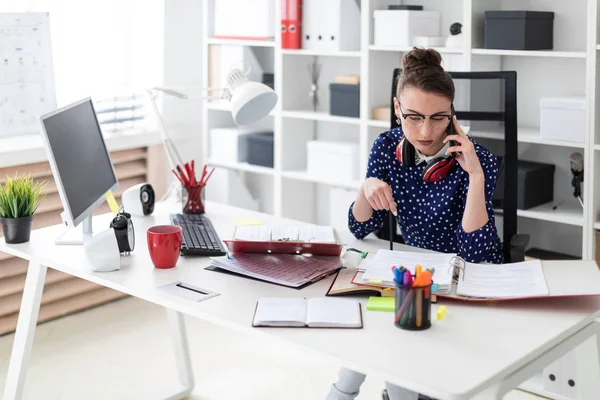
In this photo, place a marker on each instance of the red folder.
(294, 12)
(320, 249)
(284, 24)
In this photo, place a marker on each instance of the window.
(111, 50)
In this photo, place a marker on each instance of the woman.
(452, 215)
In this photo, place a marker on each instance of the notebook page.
(281, 312)
(284, 269)
(252, 233)
(442, 262)
(315, 233)
(523, 279)
(331, 312)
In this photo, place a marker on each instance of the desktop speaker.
(138, 200)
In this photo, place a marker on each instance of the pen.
(207, 177)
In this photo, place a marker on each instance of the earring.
(398, 121)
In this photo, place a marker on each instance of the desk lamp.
(250, 102)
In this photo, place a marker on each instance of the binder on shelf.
(332, 25)
(294, 12)
(284, 24)
(486, 282)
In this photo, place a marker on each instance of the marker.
(374, 281)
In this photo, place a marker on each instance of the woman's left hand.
(464, 150)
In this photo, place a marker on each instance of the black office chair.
(506, 190)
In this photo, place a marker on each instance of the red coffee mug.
(164, 245)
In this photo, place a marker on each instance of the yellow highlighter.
(112, 202)
(441, 312)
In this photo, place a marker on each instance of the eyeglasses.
(417, 120)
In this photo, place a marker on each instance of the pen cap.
(413, 306)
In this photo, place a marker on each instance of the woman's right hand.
(379, 195)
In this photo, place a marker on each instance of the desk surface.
(473, 347)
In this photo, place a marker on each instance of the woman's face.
(427, 139)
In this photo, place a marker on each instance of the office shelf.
(242, 167)
(530, 53)
(525, 135)
(320, 53)
(251, 43)
(319, 116)
(564, 214)
(306, 177)
(442, 50)
(379, 123)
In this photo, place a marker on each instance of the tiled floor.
(123, 351)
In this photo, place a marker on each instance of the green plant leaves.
(20, 196)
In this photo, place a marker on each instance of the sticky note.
(441, 312)
(247, 222)
(112, 202)
(381, 303)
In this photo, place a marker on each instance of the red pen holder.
(192, 199)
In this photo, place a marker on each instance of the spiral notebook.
(459, 279)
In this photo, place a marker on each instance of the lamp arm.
(172, 154)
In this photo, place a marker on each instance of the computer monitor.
(80, 163)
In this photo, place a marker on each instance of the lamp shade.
(250, 101)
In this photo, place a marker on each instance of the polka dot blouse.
(430, 214)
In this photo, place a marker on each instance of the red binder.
(320, 249)
(284, 24)
(294, 12)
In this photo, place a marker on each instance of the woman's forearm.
(362, 210)
(476, 215)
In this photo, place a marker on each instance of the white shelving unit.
(567, 70)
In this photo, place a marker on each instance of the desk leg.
(28, 315)
(182, 354)
(589, 380)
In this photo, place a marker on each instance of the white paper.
(331, 312)
(380, 267)
(281, 312)
(252, 233)
(522, 279)
(315, 233)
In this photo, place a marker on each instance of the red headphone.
(436, 169)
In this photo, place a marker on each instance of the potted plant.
(19, 199)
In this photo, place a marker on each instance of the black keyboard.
(199, 236)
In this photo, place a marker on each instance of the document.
(308, 233)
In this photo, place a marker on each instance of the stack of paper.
(378, 270)
(297, 233)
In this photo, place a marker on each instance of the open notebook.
(312, 313)
(459, 279)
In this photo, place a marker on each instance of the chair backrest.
(506, 192)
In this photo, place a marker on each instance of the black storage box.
(344, 100)
(519, 30)
(535, 185)
(405, 7)
(260, 149)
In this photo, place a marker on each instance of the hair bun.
(420, 58)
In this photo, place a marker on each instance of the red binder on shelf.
(294, 27)
(284, 24)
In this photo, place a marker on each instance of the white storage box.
(563, 118)
(229, 145)
(243, 19)
(399, 27)
(335, 160)
(339, 204)
(330, 25)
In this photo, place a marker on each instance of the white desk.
(477, 351)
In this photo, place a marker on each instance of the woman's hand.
(379, 195)
(465, 151)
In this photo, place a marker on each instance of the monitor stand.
(77, 235)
